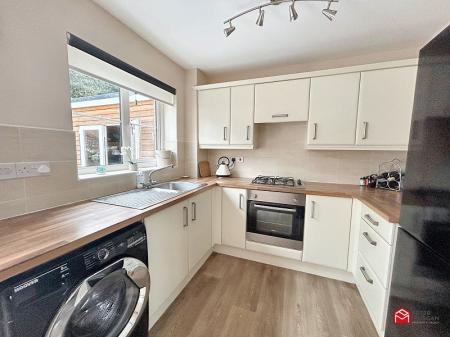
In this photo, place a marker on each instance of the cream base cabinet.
(284, 101)
(168, 252)
(327, 231)
(199, 227)
(333, 109)
(214, 117)
(234, 215)
(385, 106)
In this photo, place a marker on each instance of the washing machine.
(99, 290)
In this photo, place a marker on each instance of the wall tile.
(12, 208)
(47, 145)
(12, 190)
(10, 145)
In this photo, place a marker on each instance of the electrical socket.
(239, 160)
(32, 169)
(7, 171)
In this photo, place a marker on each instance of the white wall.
(35, 115)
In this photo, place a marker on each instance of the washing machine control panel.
(99, 255)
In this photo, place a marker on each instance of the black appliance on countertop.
(99, 290)
(419, 303)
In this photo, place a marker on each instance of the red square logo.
(402, 316)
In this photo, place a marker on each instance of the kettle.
(223, 167)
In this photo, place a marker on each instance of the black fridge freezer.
(419, 303)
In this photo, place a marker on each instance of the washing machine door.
(107, 304)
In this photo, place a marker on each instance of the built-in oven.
(276, 218)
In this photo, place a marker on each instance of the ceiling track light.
(293, 14)
(329, 13)
(260, 21)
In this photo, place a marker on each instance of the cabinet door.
(242, 107)
(167, 250)
(214, 116)
(385, 106)
(234, 215)
(333, 109)
(285, 101)
(199, 227)
(327, 231)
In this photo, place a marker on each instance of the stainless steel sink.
(182, 186)
(143, 198)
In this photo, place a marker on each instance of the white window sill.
(87, 176)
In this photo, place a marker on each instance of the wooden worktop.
(30, 240)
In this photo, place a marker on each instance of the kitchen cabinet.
(214, 116)
(385, 106)
(242, 107)
(333, 109)
(327, 231)
(284, 101)
(178, 238)
(234, 215)
(199, 228)
(168, 252)
(225, 117)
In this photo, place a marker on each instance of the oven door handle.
(271, 208)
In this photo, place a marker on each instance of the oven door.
(278, 220)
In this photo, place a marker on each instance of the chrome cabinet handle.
(372, 221)
(194, 211)
(366, 276)
(271, 208)
(313, 208)
(185, 217)
(367, 236)
(240, 201)
(315, 131)
(280, 115)
(365, 125)
(224, 133)
(248, 132)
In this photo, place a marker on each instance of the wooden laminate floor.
(231, 297)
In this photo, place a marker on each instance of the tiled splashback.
(19, 196)
(280, 150)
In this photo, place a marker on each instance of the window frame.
(126, 134)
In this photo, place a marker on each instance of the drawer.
(379, 224)
(375, 251)
(372, 292)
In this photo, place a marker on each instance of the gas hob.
(276, 181)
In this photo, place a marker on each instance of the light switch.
(7, 171)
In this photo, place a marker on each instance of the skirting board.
(158, 313)
(286, 263)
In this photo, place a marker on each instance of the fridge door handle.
(366, 276)
(372, 221)
(367, 236)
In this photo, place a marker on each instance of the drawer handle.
(366, 276)
(372, 221)
(280, 115)
(367, 236)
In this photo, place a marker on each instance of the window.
(106, 117)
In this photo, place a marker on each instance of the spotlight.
(229, 30)
(292, 12)
(329, 13)
(260, 21)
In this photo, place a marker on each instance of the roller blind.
(90, 59)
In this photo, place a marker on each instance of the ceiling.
(191, 32)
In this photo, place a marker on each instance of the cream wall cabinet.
(284, 101)
(333, 109)
(327, 231)
(225, 117)
(385, 106)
